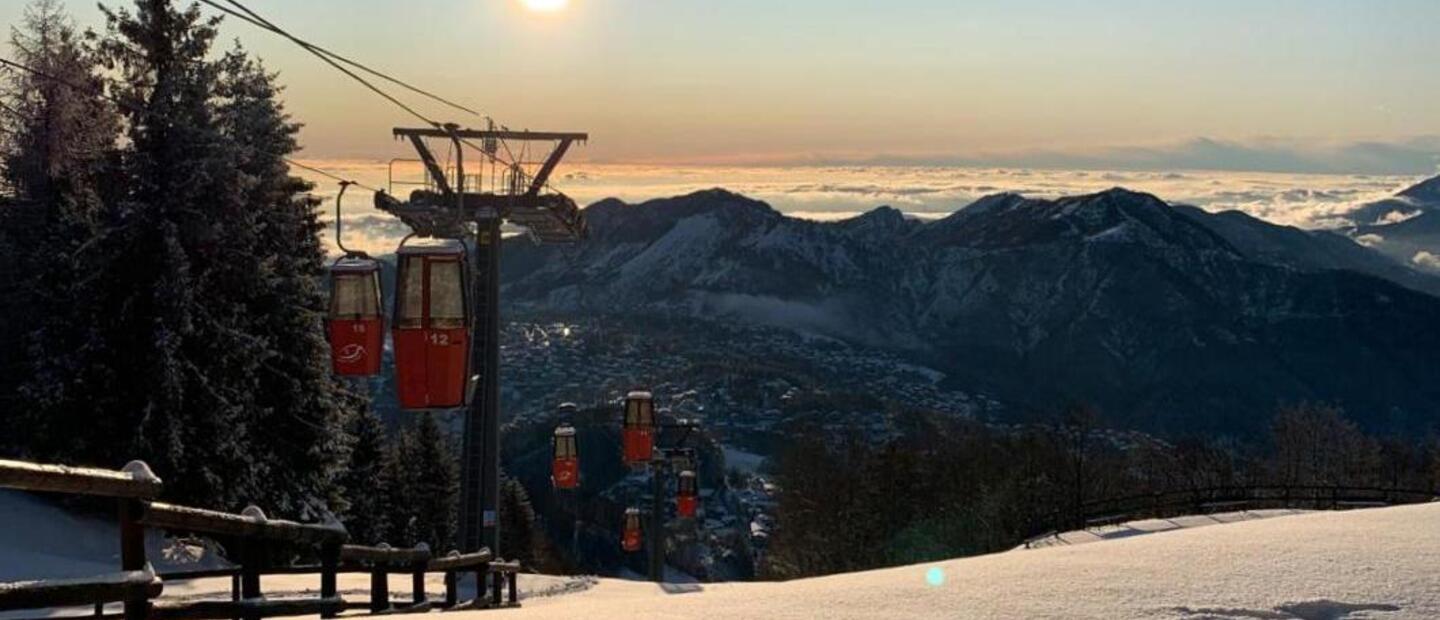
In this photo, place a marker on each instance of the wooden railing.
(252, 537)
(1099, 513)
(135, 582)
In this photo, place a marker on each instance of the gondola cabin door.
(354, 324)
(565, 469)
(631, 539)
(639, 428)
(686, 495)
(431, 327)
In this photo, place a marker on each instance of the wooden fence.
(1099, 513)
(253, 540)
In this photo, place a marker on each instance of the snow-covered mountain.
(1167, 318)
(1406, 227)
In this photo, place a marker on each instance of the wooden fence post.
(452, 589)
(497, 578)
(481, 572)
(417, 576)
(379, 587)
(132, 553)
(252, 557)
(329, 568)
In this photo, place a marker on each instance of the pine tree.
(197, 343)
(57, 146)
(435, 483)
(362, 482)
(419, 483)
(300, 405)
(169, 373)
(522, 535)
(397, 492)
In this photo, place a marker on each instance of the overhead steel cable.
(259, 22)
(333, 63)
(248, 15)
(136, 109)
(331, 176)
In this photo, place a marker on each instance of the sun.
(545, 6)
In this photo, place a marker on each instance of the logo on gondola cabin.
(351, 353)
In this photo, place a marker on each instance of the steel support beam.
(500, 134)
(655, 532)
(538, 183)
(437, 174)
(480, 453)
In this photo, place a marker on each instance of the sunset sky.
(1292, 85)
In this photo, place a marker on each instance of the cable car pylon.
(446, 208)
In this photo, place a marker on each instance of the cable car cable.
(261, 23)
(306, 46)
(5, 62)
(331, 176)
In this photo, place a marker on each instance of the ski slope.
(1380, 563)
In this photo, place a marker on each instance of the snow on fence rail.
(1102, 512)
(135, 481)
(255, 539)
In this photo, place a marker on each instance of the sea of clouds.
(828, 193)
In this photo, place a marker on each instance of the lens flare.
(935, 577)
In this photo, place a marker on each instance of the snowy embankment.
(1379, 563)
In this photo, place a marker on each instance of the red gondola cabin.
(354, 326)
(687, 496)
(565, 469)
(630, 541)
(431, 327)
(639, 431)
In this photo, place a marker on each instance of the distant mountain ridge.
(1405, 227)
(1169, 318)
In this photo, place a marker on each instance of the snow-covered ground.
(1155, 526)
(1380, 563)
(41, 540)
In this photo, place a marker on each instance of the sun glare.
(545, 6)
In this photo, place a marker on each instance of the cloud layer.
(1304, 200)
(1415, 156)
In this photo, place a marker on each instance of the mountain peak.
(1116, 215)
(615, 220)
(884, 215)
(713, 199)
(1426, 192)
(881, 221)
